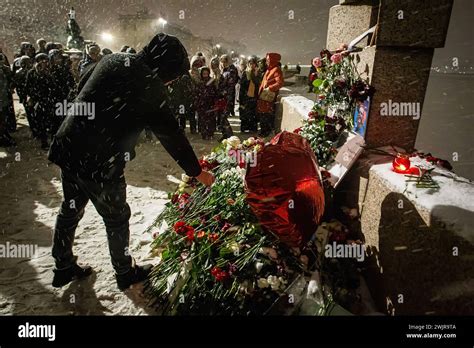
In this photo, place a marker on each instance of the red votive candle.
(401, 164)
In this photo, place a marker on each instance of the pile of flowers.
(338, 88)
(323, 133)
(215, 258)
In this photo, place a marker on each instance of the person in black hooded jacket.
(63, 86)
(127, 93)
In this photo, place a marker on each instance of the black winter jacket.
(126, 95)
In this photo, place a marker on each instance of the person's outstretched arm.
(164, 125)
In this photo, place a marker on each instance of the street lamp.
(107, 37)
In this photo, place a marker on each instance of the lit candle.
(401, 164)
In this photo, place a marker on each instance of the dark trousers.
(109, 199)
(223, 125)
(11, 117)
(41, 120)
(191, 116)
(4, 133)
(248, 115)
(30, 117)
(267, 123)
(231, 103)
(188, 115)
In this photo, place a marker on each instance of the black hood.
(166, 56)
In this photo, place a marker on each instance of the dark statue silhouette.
(74, 40)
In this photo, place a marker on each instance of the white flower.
(235, 247)
(258, 266)
(211, 157)
(233, 141)
(227, 173)
(262, 283)
(274, 282)
(313, 287)
(241, 171)
(185, 178)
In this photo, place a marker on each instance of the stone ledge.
(409, 236)
(428, 202)
(291, 110)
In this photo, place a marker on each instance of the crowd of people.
(207, 97)
(42, 77)
(47, 74)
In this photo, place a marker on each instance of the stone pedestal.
(400, 77)
(412, 268)
(419, 243)
(399, 62)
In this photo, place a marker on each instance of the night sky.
(262, 25)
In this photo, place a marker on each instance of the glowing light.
(107, 37)
(401, 164)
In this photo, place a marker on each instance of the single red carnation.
(180, 227)
(190, 234)
(215, 271)
(219, 274)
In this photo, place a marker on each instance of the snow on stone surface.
(447, 204)
(295, 109)
(298, 104)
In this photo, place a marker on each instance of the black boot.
(136, 274)
(65, 276)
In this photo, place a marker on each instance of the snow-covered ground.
(30, 196)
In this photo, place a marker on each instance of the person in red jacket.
(268, 92)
